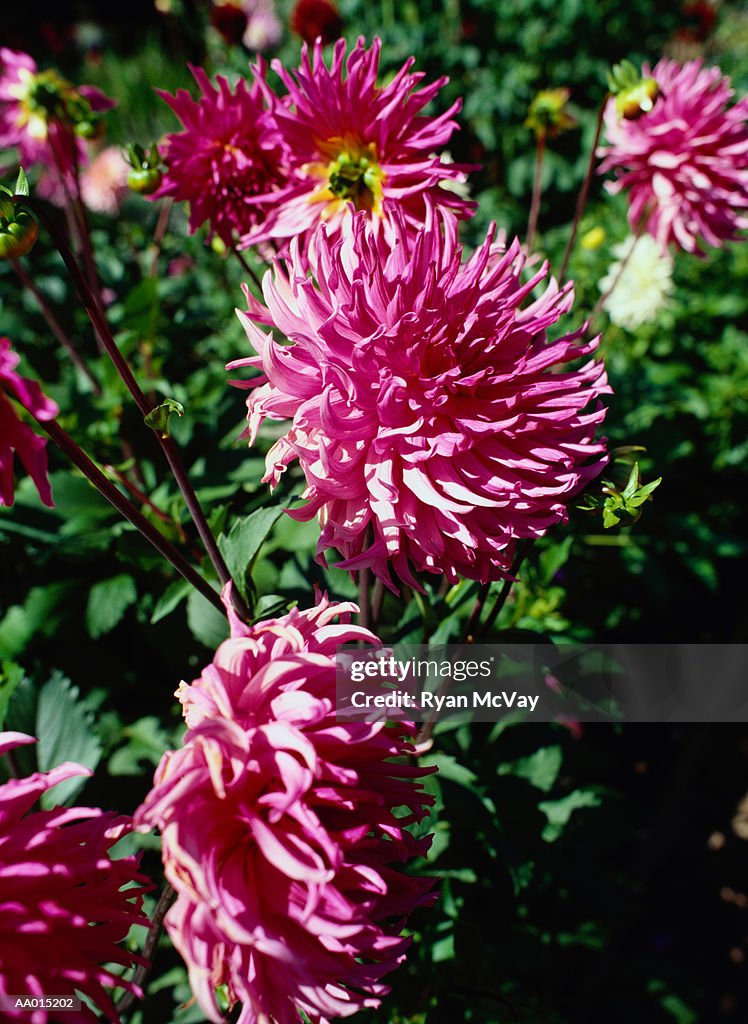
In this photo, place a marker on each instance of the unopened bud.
(18, 229)
(147, 169)
(548, 115)
(635, 95)
(639, 100)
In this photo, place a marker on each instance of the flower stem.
(537, 189)
(168, 447)
(158, 235)
(248, 269)
(92, 473)
(165, 900)
(522, 551)
(584, 191)
(55, 327)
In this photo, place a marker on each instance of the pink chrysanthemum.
(685, 162)
(63, 908)
(430, 415)
(38, 113)
(279, 828)
(352, 143)
(228, 153)
(15, 435)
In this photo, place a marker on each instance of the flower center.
(357, 178)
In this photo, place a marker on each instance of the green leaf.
(610, 518)
(15, 632)
(11, 676)
(158, 418)
(107, 603)
(206, 623)
(146, 741)
(22, 183)
(540, 769)
(559, 812)
(643, 493)
(242, 543)
(173, 596)
(64, 728)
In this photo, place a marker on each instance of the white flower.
(639, 282)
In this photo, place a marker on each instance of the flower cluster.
(265, 168)
(64, 907)
(684, 162)
(429, 412)
(15, 435)
(279, 828)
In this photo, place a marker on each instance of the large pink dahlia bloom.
(685, 162)
(228, 153)
(279, 828)
(15, 435)
(431, 416)
(63, 905)
(354, 144)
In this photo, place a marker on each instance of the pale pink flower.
(279, 829)
(685, 162)
(104, 183)
(353, 144)
(15, 435)
(227, 155)
(63, 906)
(431, 416)
(263, 29)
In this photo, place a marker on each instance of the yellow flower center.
(353, 175)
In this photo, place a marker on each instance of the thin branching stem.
(537, 191)
(115, 497)
(165, 900)
(96, 315)
(584, 191)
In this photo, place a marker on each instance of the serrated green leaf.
(242, 543)
(206, 623)
(64, 729)
(107, 603)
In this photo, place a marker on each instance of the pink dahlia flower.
(685, 162)
(15, 435)
(430, 414)
(279, 828)
(38, 113)
(63, 908)
(228, 153)
(354, 144)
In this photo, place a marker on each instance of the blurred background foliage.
(588, 876)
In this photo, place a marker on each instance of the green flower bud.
(18, 233)
(145, 180)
